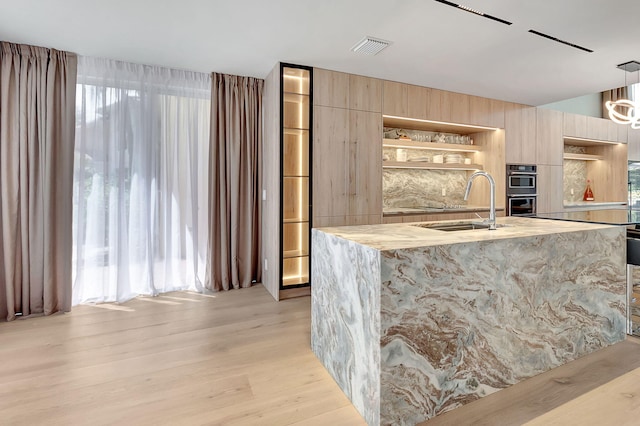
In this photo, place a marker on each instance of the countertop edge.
(399, 236)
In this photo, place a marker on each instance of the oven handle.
(522, 196)
(523, 173)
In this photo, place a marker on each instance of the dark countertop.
(594, 205)
(623, 217)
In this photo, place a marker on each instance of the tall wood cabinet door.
(520, 134)
(550, 189)
(365, 163)
(633, 145)
(395, 99)
(550, 143)
(365, 93)
(330, 88)
(330, 161)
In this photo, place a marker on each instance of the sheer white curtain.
(140, 180)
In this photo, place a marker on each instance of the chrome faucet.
(492, 196)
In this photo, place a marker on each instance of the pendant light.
(625, 111)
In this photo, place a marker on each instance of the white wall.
(590, 105)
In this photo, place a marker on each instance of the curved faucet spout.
(492, 195)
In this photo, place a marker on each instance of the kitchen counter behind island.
(412, 322)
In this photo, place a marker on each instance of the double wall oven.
(522, 192)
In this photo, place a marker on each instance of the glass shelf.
(295, 271)
(431, 146)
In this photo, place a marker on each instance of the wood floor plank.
(531, 398)
(240, 358)
(614, 403)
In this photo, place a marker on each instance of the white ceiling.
(434, 45)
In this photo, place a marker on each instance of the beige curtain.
(613, 95)
(37, 127)
(235, 157)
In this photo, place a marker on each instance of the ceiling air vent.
(370, 46)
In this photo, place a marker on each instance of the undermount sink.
(460, 226)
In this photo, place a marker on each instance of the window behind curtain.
(140, 180)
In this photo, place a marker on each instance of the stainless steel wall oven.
(522, 195)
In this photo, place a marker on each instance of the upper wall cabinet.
(486, 112)
(520, 134)
(418, 102)
(341, 90)
(405, 100)
(330, 88)
(365, 93)
(600, 129)
(395, 99)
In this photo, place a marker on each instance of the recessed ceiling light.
(370, 46)
(474, 11)
(538, 33)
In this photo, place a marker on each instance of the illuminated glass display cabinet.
(295, 160)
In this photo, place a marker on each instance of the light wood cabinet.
(365, 93)
(550, 189)
(606, 160)
(598, 128)
(520, 128)
(459, 108)
(633, 144)
(286, 182)
(271, 226)
(439, 105)
(595, 128)
(575, 125)
(395, 99)
(330, 162)
(486, 112)
(549, 142)
(609, 175)
(330, 88)
(419, 103)
(405, 100)
(347, 167)
(606, 167)
(365, 164)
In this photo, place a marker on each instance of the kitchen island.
(412, 321)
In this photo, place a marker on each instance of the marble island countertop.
(391, 211)
(395, 236)
(414, 322)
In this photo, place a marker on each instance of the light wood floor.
(240, 358)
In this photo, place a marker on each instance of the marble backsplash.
(575, 175)
(421, 188)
